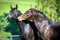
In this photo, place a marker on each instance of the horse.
(26, 32)
(48, 30)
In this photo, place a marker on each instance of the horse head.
(14, 12)
(32, 14)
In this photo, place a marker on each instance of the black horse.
(26, 32)
(48, 30)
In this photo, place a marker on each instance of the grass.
(5, 7)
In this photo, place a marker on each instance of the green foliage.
(3, 24)
(48, 7)
(3, 33)
(7, 26)
(12, 27)
(58, 9)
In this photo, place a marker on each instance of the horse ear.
(16, 6)
(31, 12)
(10, 6)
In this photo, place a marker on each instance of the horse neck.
(41, 22)
(17, 22)
(38, 18)
(41, 19)
(20, 25)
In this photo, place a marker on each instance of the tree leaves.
(49, 8)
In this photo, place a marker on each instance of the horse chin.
(20, 19)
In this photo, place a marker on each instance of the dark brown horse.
(26, 32)
(48, 30)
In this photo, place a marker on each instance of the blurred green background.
(51, 8)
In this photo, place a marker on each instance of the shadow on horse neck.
(47, 29)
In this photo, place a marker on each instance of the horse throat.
(42, 25)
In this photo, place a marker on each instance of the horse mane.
(37, 11)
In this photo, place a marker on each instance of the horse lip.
(19, 19)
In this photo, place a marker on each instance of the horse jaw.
(20, 18)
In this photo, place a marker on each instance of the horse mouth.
(20, 19)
